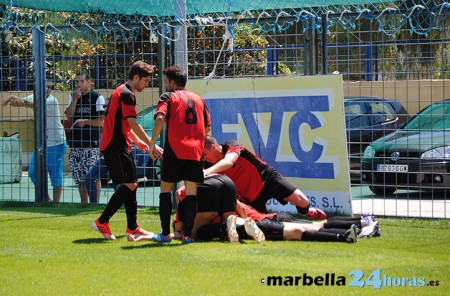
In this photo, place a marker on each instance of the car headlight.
(437, 153)
(369, 152)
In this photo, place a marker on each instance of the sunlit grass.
(52, 250)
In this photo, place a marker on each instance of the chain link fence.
(399, 51)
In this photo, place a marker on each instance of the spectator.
(87, 112)
(56, 139)
(187, 120)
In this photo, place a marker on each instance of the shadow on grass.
(88, 241)
(152, 245)
(64, 209)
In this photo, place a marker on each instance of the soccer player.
(216, 201)
(120, 126)
(255, 180)
(187, 120)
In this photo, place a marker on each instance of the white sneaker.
(233, 236)
(138, 234)
(350, 235)
(369, 230)
(253, 230)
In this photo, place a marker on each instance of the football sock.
(165, 211)
(189, 211)
(320, 236)
(340, 233)
(130, 204)
(114, 204)
(344, 224)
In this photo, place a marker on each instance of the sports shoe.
(369, 230)
(350, 235)
(368, 219)
(232, 235)
(187, 240)
(138, 234)
(160, 238)
(317, 214)
(253, 230)
(103, 228)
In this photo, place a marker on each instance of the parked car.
(367, 119)
(416, 156)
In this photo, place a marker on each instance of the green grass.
(52, 250)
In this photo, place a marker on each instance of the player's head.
(175, 77)
(139, 75)
(141, 69)
(213, 151)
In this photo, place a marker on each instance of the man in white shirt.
(56, 139)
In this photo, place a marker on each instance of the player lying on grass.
(211, 224)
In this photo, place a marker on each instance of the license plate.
(392, 168)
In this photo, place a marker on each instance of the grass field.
(52, 250)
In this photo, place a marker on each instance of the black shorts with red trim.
(121, 166)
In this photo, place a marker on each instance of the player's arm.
(240, 210)
(157, 129)
(141, 144)
(222, 165)
(137, 130)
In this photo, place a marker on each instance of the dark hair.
(141, 69)
(209, 141)
(86, 75)
(177, 74)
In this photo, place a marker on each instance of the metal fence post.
(40, 148)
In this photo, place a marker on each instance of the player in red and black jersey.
(120, 125)
(187, 120)
(255, 180)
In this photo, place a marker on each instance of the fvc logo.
(264, 120)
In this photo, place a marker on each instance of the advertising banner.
(295, 124)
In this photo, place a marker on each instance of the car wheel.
(153, 173)
(381, 190)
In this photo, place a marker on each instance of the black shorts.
(275, 186)
(174, 170)
(286, 217)
(216, 194)
(121, 166)
(272, 229)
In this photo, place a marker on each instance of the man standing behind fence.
(56, 138)
(86, 110)
(187, 120)
(120, 126)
